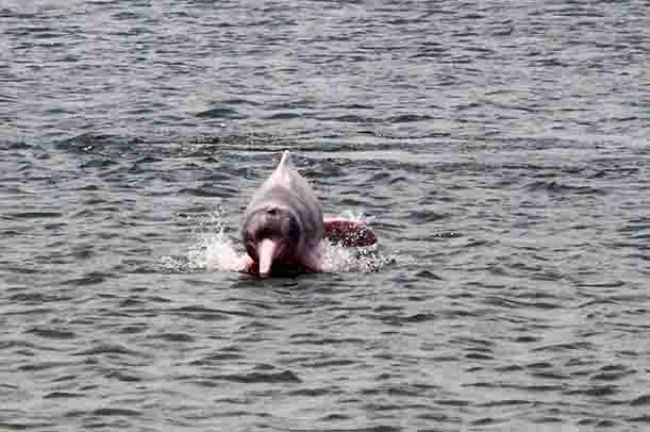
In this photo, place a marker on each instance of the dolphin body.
(283, 223)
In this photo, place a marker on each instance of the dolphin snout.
(266, 252)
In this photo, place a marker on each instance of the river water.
(499, 150)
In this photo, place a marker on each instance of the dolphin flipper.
(348, 233)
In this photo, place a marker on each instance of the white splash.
(337, 258)
(215, 250)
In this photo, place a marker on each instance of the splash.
(215, 250)
(337, 258)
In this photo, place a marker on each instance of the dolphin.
(283, 223)
(283, 226)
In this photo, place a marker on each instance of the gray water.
(499, 150)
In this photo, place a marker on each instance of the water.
(500, 151)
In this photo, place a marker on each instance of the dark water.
(500, 150)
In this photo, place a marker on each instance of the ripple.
(260, 377)
(62, 395)
(173, 337)
(33, 215)
(123, 377)
(560, 188)
(91, 278)
(507, 291)
(104, 348)
(103, 412)
(43, 366)
(49, 333)
(221, 112)
(641, 400)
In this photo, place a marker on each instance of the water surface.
(499, 150)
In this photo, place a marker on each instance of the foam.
(215, 250)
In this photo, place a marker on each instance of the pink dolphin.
(284, 225)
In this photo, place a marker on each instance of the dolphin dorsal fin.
(283, 173)
(286, 160)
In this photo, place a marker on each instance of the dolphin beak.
(266, 252)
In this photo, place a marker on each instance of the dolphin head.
(271, 234)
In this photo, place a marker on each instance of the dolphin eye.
(272, 211)
(294, 229)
